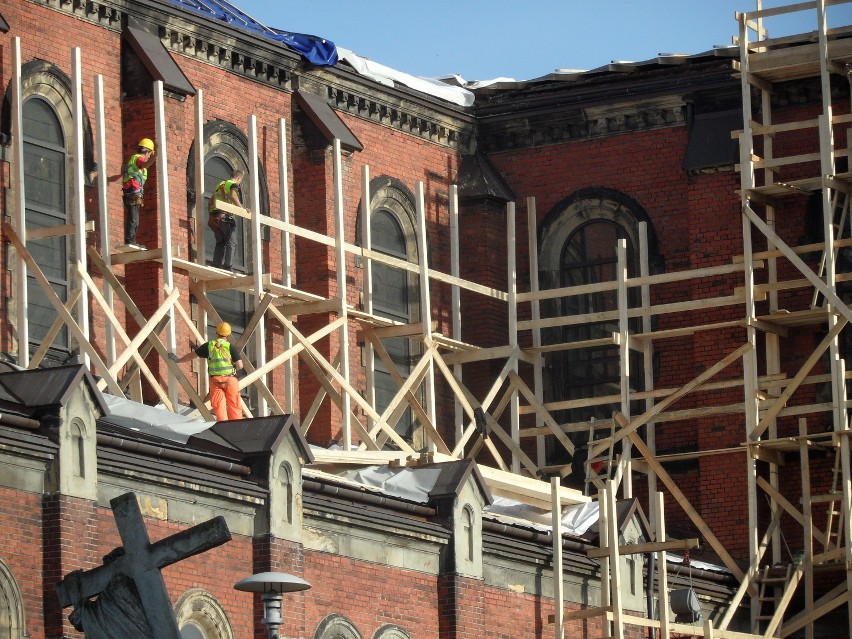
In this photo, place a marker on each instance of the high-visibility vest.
(222, 192)
(219, 358)
(132, 170)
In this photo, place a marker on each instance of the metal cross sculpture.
(132, 600)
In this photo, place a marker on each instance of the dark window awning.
(327, 121)
(157, 61)
(4, 26)
(710, 144)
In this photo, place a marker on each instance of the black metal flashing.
(260, 435)
(327, 121)
(710, 144)
(157, 61)
(478, 179)
(452, 478)
(41, 388)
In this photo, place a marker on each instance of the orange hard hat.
(224, 329)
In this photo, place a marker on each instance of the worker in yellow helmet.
(223, 362)
(133, 188)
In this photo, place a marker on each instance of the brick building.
(456, 304)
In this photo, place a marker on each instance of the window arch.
(12, 624)
(48, 145)
(336, 627)
(395, 291)
(200, 616)
(390, 631)
(578, 244)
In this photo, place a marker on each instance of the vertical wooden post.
(606, 564)
(512, 288)
(103, 206)
(455, 271)
(807, 522)
(648, 361)
(286, 257)
(200, 225)
(425, 302)
(79, 201)
(20, 214)
(747, 182)
(623, 473)
(257, 258)
(340, 259)
(538, 365)
(558, 587)
(615, 564)
(367, 245)
(165, 221)
(662, 571)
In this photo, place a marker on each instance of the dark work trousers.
(226, 242)
(132, 203)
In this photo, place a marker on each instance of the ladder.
(599, 468)
(772, 586)
(844, 210)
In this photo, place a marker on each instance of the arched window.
(578, 246)
(45, 187)
(336, 627)
(394, 290)
(12, 624)
(200, 616)
(389, 631)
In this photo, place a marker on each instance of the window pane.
(45, 192)
(191, 631)
(40, 123)
(391, 300)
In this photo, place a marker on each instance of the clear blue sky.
(486, 39)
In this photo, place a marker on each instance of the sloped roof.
(41, 388)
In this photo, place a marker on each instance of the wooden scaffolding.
(501, 426)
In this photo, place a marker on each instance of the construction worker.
(223, 362)
(223, 224)
(133, 188)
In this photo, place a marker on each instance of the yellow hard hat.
(224, 329)
(145, 143)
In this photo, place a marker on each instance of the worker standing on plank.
(223, 362)
(223, 224)
(133, 188)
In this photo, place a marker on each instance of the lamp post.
(272, 585)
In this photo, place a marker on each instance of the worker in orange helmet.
(223, 362)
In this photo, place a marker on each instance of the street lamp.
(272, 585)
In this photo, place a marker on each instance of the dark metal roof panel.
(45, 387)
(327, 120)
(157, 61)
(478, 179)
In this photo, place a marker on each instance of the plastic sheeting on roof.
(314, 49)
(152, 420)
(390, 77)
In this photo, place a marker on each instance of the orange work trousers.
(225, 397)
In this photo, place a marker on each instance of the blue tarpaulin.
(315, 50)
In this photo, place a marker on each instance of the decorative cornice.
(566, 125)
(395, 116)
(101, 13)
(247, 57)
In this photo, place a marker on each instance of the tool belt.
(217, 218)
(133, 198)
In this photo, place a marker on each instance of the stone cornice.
(567, 125)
